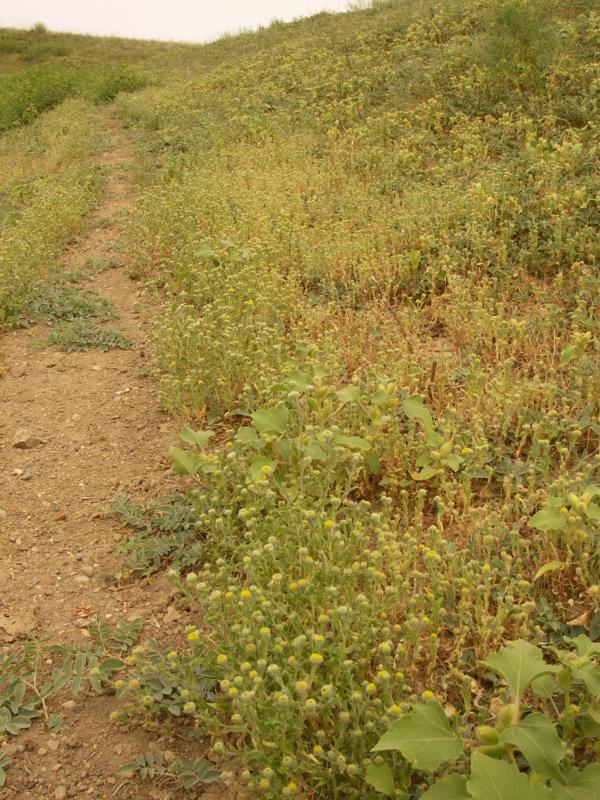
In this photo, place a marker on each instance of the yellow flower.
(221, 658)
(328, 523)
(427, 695)
(193, 635)
(316, 658)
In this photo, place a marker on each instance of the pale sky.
(183, 20)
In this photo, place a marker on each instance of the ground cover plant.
(371, 240)
(379, 277)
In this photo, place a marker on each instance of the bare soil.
(96, 416)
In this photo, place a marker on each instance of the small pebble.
(60, 793)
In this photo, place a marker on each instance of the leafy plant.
(83, 334)
(5, 762)
(59, 301)
(30, 679)
(165, 530)
(524, 754)
(156, 765)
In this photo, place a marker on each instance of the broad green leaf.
(380, 777)
(349, 394)
(315, 451)
(594, 714)
(551, 566)
(593, 512)
(195, 438)
(433, 438)
(492, 779)
(544, 686)
(270, 420)
(584, 785)
(595, 627)
(248, 435)
(415, 408)
(184, 462)
(453, 461)
(452, 787)
(352, 442)
(258, 468)
(519, 663)
(424, 737)
(537, 739)
(548, 519)
(283, 449)
(589, 674)
(300, 380)
(568, 353)
(425, 474)
(585, 646)
(5, 761)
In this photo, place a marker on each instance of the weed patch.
(61, 301)
(165, 531)
(84, 334)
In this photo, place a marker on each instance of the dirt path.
(102, 435)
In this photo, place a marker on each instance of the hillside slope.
(371, 241)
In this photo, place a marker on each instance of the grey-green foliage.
(156, 765)
(30, 678)
(59, 301)
(84, 334)
(165, 529)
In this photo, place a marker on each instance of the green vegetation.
(373, 243)
(33, 678)
(60, 301)
(47, 184)
(80, 333)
